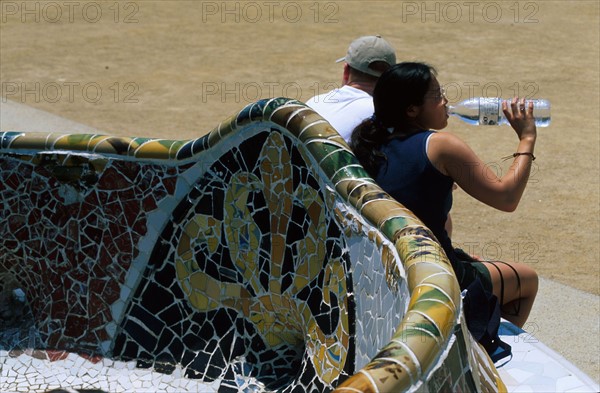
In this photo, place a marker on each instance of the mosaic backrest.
(260, 257)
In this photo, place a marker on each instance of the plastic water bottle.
(488, 111)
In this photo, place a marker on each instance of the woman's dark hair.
(401, 86)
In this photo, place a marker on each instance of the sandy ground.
(175, 69)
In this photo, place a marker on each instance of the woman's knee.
(525, 279)
(515, 280)
(529, 278)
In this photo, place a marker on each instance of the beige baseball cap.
(367, 49)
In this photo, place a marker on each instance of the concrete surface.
(19, 117)
(565, 319)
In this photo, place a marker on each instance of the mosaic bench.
(260, 257)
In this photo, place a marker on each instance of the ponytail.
(366, 141)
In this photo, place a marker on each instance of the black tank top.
(410, 178)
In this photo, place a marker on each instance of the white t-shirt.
(343, 108)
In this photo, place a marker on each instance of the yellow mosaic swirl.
(278, 315)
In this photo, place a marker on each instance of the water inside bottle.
(542, 121)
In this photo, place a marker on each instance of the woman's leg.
(515, 285)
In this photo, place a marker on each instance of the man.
(346, 107)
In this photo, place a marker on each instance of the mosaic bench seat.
(259, 257)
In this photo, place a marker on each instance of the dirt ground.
(175, 69)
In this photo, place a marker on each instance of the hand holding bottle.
(520, 117)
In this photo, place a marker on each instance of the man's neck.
(364, 86)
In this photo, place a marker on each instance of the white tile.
(541, 384)
(569, 384)
(520, 375)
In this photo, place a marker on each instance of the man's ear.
(346, 76)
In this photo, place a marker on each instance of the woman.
(419, 167)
